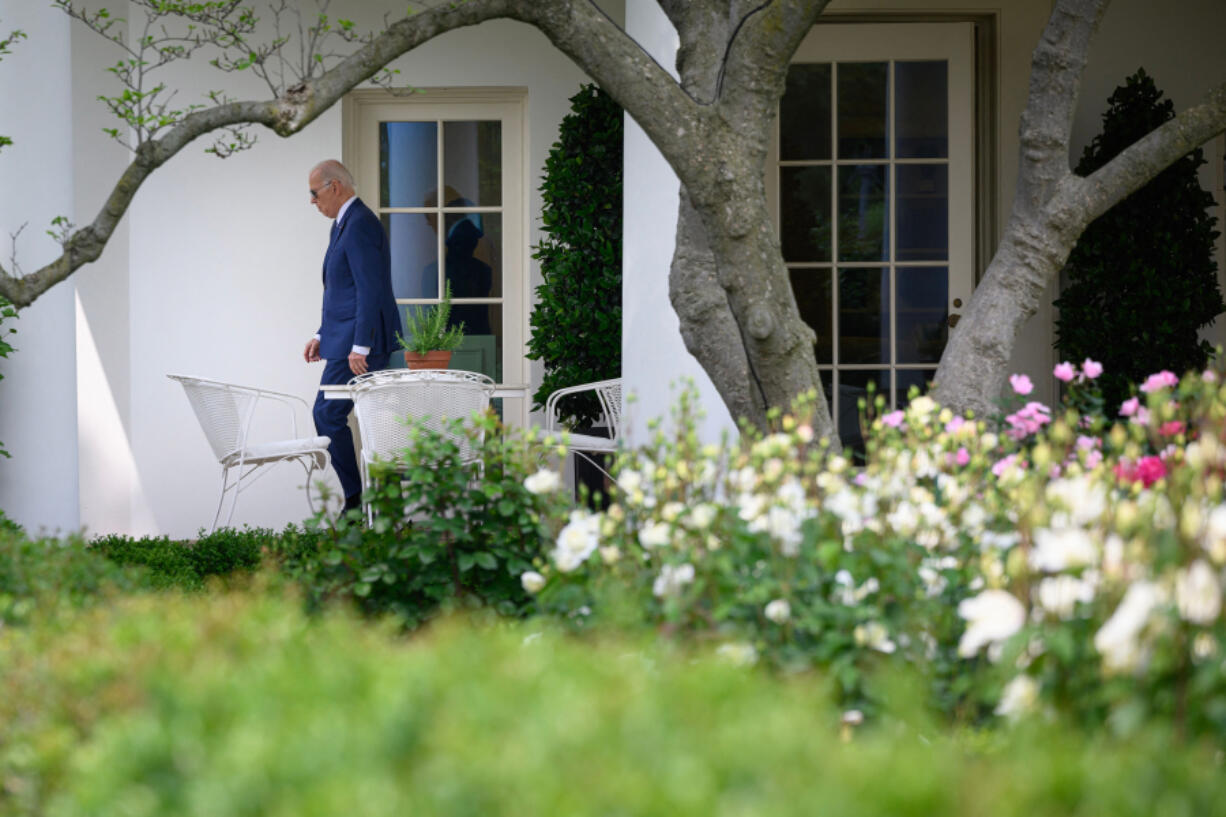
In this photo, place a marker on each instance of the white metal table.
(345, 392)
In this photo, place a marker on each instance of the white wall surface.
(655, 361)
(216, 273)
(38, 486)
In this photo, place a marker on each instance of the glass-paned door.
(870, 182)
(445, 176)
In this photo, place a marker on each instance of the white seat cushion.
(282, 449)
(586, 442)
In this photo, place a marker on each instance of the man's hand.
(357, 363)
(311, 353)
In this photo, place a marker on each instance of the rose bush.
(1067, 560)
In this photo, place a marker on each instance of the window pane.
(414, 249)
(862, 101)
(853, 386)
(482, 347)
(827, 376)
(816, 304)
(923, 212)
(863, 222)
(408, 162)
(472, 164)
(864, 308)
(906, 378)
(922, 328)
(921, 105)
(804, 113)
(474, 254)
(805, 203)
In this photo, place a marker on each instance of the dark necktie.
(336, 228)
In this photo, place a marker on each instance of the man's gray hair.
(331, 170)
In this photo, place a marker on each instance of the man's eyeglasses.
(315, 193)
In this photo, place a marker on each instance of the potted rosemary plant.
(431, 341)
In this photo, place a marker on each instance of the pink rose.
(1021, 383)
(1162, 380)
(893, 419)
(1064, 372)
(1171, 428)
(1147, 470)
(1129, 407)
(962, 457)
(1091, 369)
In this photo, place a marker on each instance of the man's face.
(326, 196)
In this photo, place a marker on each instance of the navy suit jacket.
(359, 307)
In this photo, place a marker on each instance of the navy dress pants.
(332, 420)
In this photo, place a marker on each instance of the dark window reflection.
(921, 100)
(922, 210)
(815, 301)
(864, 309)
(805, 213)
(863, 213)
(853, 387)
(804, 113)
(908, 378)
(862, 109)
(923, 311)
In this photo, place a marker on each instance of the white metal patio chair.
(226, 413)
(609, 393)
(385, 401)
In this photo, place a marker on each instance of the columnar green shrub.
(576, 325)
(1142, 278)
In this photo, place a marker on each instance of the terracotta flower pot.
(436, 359)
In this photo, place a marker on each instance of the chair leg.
(225, 480)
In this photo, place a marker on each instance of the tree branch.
(598, 46)
(1055, 82)
(1141, 161)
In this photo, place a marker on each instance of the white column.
(38, 408)
(654, 356)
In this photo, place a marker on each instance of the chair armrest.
(551, 403)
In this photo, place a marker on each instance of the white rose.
(778, 611)
(532, 581)
(1018, 697)
(672, 579)
(875, 636)
(1198, 594)
(576, 541)
(991, 618)
(543, 481)
(1061, 549)
(1116, 640)
(656, 534)
(1059, 595)
(741, 655)
(702, 516)
(1215, 534)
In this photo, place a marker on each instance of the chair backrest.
(223, 409)
(430, 397)
(610, 394)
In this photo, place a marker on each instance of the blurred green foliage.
(239, 704)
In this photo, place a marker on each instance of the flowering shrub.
(1071, 561)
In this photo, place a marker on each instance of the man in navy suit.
(360, 316)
